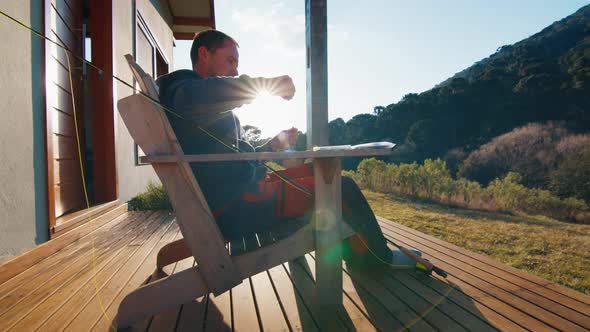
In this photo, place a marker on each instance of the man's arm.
(219, 94)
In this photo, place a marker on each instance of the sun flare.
(263, 93)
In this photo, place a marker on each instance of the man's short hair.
(211, 39)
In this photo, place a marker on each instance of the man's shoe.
(400, 260)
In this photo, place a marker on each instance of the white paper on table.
(373, 145)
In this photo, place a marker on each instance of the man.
(242, 197)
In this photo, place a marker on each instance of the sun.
(269, 113)
(263, 93)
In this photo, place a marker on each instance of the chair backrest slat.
(148, 125)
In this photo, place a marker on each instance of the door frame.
(103, 122)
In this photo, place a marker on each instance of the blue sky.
(378, 51)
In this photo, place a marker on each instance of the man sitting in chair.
(243, 198)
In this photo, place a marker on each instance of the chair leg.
(170, 292)
(172, 253)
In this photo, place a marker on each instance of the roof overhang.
(191, 16)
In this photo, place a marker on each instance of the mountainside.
(545, 77)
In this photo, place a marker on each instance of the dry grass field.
(552, 249)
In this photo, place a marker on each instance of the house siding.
(133, 179)
(23, 197)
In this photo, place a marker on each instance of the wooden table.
(327, 217)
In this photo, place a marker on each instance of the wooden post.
(316, 39)
(328, 204)
(327, 222)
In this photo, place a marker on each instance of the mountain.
(545, 77)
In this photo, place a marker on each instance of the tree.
(337, 129)
(378, 109)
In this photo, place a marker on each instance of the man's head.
(214, 54)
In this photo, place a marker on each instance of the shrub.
(432, 180)
(155, 198)
(529, 150)
(507, 192)
(572, 176)
(454, 158)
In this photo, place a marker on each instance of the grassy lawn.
(546, 247)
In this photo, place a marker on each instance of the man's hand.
(282, 86)
(286, 138)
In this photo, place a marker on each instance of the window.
(150, 57)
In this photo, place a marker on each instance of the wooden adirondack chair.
(217, 271)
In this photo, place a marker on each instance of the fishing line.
(96, 292)
(236, 149)
(154, 101)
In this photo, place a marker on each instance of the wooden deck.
(79, 288)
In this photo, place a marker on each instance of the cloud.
(280, 33)
(336, 32)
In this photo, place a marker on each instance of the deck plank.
(244, 310)
(521, 297)
(42, 290)
(297, 313)
(219, 317)
(245, 318)
(21, 263)
(513, 286)
(480, 317)
(485, 295)
(130, 276)
(86, 295)
(192, 316)
(429, 312)
(300, 272)
(84, 284)
(379, 316)
(269, 306)
(509, 305)
(559, 303)
(351, 315)
(467, 319)
(552, 290)
(372, 303)
(166, 321)
(68, 255)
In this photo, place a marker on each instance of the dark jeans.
(260, 209)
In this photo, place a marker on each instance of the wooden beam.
(264, 156)
(105, 171)
(212, 12)
(328, 200)
(48, 96)
(328, 227)
(316, 40)
(184, 35)
(194, 21)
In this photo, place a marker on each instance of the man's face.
(223, 61)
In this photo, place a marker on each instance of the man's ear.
(203, 53)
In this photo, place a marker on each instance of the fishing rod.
(421, 263)
(156, 102)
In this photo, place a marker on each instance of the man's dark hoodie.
(207, 103)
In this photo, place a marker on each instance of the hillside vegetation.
(433, 181)
(542, 78)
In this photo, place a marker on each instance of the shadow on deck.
(79, 288)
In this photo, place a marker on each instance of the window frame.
(140, 26)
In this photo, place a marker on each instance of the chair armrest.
(264, 156)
